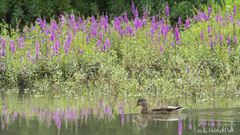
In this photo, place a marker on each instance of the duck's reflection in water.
(142, 120)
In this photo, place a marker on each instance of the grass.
(141, 57)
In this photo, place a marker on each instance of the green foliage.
(22, 12)
(132, 65)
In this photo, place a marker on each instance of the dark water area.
(40, 117)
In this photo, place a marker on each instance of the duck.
(163, 110)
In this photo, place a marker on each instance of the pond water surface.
(55, 116)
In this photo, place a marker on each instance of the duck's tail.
(179, 108)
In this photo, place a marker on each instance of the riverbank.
(196, 59)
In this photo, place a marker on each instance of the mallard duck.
(162, 110)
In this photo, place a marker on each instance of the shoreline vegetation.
(196, 59)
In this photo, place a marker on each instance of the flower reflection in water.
(71, 117)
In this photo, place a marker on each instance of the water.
(50, 116)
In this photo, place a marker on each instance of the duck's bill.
(136, 106)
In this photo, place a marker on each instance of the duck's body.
(162, 110)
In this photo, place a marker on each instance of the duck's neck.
(144, 108)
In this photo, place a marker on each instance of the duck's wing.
(168, 108)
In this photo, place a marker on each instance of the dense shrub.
(22, 12)
(198, 58)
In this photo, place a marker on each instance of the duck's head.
(142, 102)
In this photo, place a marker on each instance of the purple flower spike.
(66, 49)
(234, 10)
(2, 52)
(229, 40)
(235, 40)
(133, 7)
(212, 123)
(108, 42)
(39, 114)
(187, 23)
(204, 123)
(81, 51)
(3, 67)
(209, 10)
(177, 34)
(211, 42)
(221, 39)
(133, 117)
(209, 30)
(202, 36)
(205, 16)
(37, 49)
(104, 47)
(12, 46)
(180, 127)
(179, 21)
(217, 17)
(161, 49)
(190, 126)
(122, 118)
(199, 16)
(173, 44)
(57, 120)
(167, 11)
(87, 39)
(229, 50)
(153, 19)
(188, 69)
(22, 41)
(19, 43)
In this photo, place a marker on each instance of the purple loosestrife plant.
(87, 39)
(234, 10)
(190, 126)
(177, 34)
(173, 44)
(3, 67)
(29, 54)
(72, 19)
(187, 23)
(180, 127)
(211, 43)
(235, 40)
(229, 40)
(22, 42)
(65, 47)
(108, 42)
(57, 120)
(188, 69)
(104, 47)
(167, 11)
(221, 39)
(133, 8)
(2, 53)
(209, 31)
(217, 17)
(205, 16)
(161, 49)
(37, 49)
(12, 46)
(179, 21)
(209, 11)
(199, 16)
(202, 36)
(212, 123)
(19, 43)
